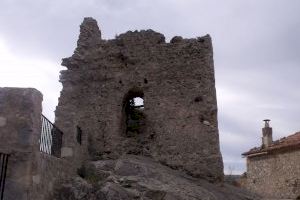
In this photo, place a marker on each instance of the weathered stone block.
(66, 152)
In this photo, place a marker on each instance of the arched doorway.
(134, 113)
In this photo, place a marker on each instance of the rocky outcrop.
(136, 177)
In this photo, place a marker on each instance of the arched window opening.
(135, 118)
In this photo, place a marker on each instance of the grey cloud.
(256, 51)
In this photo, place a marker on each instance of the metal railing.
(51, 138)
(3, 169)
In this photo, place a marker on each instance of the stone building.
(273, 170)
(177, 123)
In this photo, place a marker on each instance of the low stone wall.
(275, 176)
(31, 174)
(51, 172)
(20, 128)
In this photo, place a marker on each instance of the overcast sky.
(256, 53)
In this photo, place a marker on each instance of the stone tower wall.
(176, 81)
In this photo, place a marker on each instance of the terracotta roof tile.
(292, 141)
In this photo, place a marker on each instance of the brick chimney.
(267, 138)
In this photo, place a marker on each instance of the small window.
(79, 135)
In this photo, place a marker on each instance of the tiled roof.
(290, 142)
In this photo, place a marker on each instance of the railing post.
(3, 169)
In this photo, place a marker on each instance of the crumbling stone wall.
(275, 175)
(176, 81)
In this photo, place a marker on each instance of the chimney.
(267, 134)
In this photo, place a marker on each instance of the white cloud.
(17, 71)
(256, 46)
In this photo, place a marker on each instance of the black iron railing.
(3, 168)
(51, 138)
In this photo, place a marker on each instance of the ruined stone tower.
(177, 124)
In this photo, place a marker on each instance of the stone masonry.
(20, 128)
(31, 174)
(275, 176)
(273, 169)
(176, 82)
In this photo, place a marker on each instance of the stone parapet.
(20, 128)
